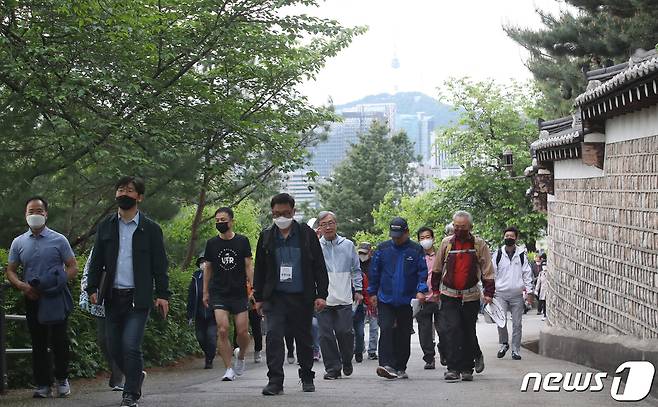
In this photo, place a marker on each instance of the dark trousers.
(541, 308)
(359, 325)
(116, 375)
(125, 330)
(205, 331)
(290, 341)
(256, 331)
(459, 340)
(288, 312)
(336, 337)
(394, 335)
(428, 322)
(44, 336)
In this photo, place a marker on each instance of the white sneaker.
(63, 388)
(543, 318)
(257, 357)
(42, 392)
(238, 366)
(229, 376)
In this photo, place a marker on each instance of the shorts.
(234, 306)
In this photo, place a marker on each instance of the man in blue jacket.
(398, 273)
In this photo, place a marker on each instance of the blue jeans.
(359, 322)
(373, 334)
(125, 327)
(315, 332)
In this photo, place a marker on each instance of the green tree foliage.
(377, 164)
(590, 34)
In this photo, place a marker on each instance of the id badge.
(285, 273)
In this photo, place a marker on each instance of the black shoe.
(129, 401)
(467, 376)
(516, 356)
(332, 375)
(372, 356)
(387, 372)
(358, 357)
(208, 364)
(272, 389)
(429, 365)
(348, 369)
(308, 386)
(451, 376)
(503, 350)
(479, 363)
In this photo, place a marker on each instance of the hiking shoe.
(272, 389)
(257, 357)
(372, 356)
(332, 375)
(402, 374)
(129, 401)
(42, 392)
(229, 376)
(503, 350)
(308, 386)
(451, 376)
(63, 388)
(429, 365)
(358, 357)
(387, 372)
(291, 358)
(479, 363)
(467, 376)
(348, 369)
(516, 356)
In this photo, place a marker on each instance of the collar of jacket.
(517, 251)
(270, 234)
(338, 240)
(142, 219)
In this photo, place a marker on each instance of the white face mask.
(427, 243)
(35, 221)
(282, 222)
(363, 257)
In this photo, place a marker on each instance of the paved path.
(189, 385)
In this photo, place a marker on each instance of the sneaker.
(372, 356)
(42, 392)
(429, 365)
(229, 376)
(402, 374)
(291, 358)
(238, 364)
(332, 375)
(387, 372)
(129, 401)
(308, 386)
(516, 356)
(272, 389)
(316, 355)
(451, 376)
(348, 369)
(257, 357)
(467, 376)
(358, 357)
(479, 363)
(63, 388)
(118, 387)
(543, 318)
(503, 350)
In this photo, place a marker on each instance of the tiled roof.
(559, 132)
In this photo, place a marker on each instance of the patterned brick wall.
(603, 252)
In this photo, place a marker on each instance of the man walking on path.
(398, 273)
(428, 316)
(44, 255)
(290, 280)
(335, 321)
(369, 311)
(227, 270)
(462, 261)
(513, 275)
(128, 257)
(203, 318)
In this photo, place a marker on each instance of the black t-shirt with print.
(229, 277)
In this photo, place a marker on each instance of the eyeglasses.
(327, 224)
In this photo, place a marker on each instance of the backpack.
(499, 255)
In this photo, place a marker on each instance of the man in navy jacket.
(398, 273)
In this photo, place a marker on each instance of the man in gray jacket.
(345, 286)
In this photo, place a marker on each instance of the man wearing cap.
(365, 312)
(462, 261)
(398, 274)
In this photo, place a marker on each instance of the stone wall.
(603, 251)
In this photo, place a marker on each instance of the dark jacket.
(195, 307)
(149, 260)
(314, 271)
(55, 301)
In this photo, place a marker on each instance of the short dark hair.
(225, 209)
(126, 180)
(37, 198)
(282, 198)
(512, 229)
(424, 229)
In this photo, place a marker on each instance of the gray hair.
(450, 229)
(463, 214)
(324, 214)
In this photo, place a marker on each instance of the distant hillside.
(410, 103)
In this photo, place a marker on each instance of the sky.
(433, 40)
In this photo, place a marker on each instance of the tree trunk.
(194, 228)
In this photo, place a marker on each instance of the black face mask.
(126, 202)
(222, 227)
(510, 242)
